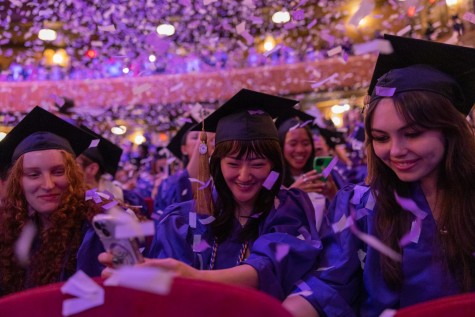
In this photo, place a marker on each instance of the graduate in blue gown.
(409, 236)
(298, 150)
(259, 234)
(45, 205)
(177, 187)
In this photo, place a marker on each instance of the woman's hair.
(225, 203)
(57, 245)
(456, 182)
(288, 180)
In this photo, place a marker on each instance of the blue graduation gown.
(88, 252)
(174, 189)
(287, 246)
(342, 287)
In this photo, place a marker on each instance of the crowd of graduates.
(385, 223)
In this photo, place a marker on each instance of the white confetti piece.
(192, 219)
(24, 243)
(320, 83)
(241, 27)
(207, 220)
(270, 180)
(137, 90)
(342, 224)
(282, 250)
(94, 143)
(106, 28)
(88, 294)
(378, 45)
(334, 51)
(312, 24)
(330, 167)
(404, 31)
(148, 279)
(324, 268)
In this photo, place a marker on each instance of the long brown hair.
(456, 183)
(59, 242)
(224, 213)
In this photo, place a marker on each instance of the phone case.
(321, 162)
(125, 250)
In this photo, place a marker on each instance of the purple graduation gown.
(287, 247)
(342, 288)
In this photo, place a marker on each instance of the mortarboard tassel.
(203, 198)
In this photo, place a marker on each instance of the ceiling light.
(165, 29)
(139, 139)
(451, 3)
(60, 57)
(340, 108)
(337, 121)
(47, 35)
(269, 43)
(119, 130)
(281, 17)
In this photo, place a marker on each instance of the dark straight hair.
(225, 203)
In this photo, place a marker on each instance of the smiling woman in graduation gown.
(407, 237)
(260, 235)
(45, 234)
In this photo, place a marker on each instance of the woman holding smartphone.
(260, 235)
(296, 140)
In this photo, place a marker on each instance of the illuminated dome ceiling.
(123, 69)
(104, 35)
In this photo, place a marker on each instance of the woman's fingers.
(106, 258)
(107, 272)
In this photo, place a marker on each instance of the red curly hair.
(55, 252)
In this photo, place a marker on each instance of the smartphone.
(125, 250)
(321, 162)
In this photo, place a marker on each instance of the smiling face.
(245, 177)
(44, 180)
(412, 152)
(297, 149)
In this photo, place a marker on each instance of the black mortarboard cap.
(419, 65)
(247, 116)
(332, 137)
(42, 130)
(291, 118)
(106, 153)
(176, 142)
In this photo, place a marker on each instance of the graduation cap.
(178, 140)
(332, 137)
(41, 130)
(293, 118)
(106, 153)
(247, 116)
(419, 65)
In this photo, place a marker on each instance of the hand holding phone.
(125, 250)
